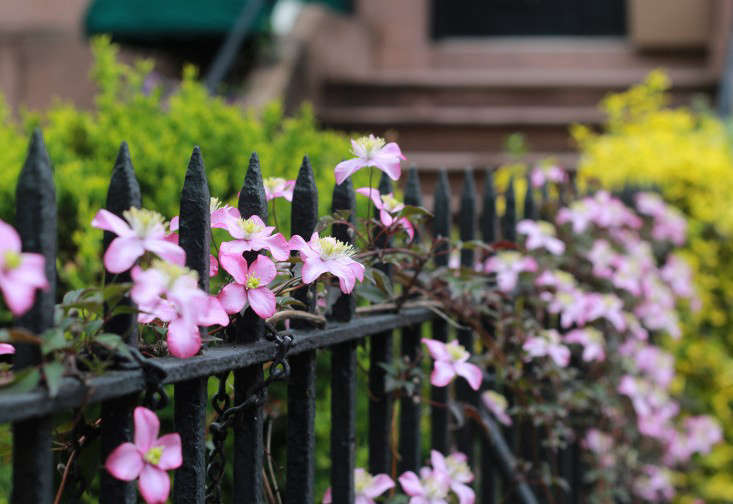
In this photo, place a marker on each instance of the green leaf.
(410, 210)
(113, 342)
(382, 282)
(53, 372)
(24, 381)
(114, 292)
(53, 339)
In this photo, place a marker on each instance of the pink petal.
(122, 253)
(19, 297)
(264, 269)
(442, 374)
(213, 266)
(471, 372)
(125, 462)
(362, 499)
(327, 497)
(298, 243)
(110, 222)
(373, 195)
(234, 247)
(154, 485)
(380, 484)
(346, 168)
(234, 264)
(390, 167)
(357, 269)
(386, 218)
(312, 269)
(437, 459)
(184, 339)
(437, 349)
(31, 271)
(410, 484)
(148, 285)
(262, 301)
(9, 238)
(408, 227)
(171, 458)
(167, 250)
(233, 297)
(278, 247)
(147, 426)
(391, 150)
(173, 226)
(464, 492)
(560, 354)
(213, 314)
(6, 349)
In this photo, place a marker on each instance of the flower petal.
(9, 237)
(389, 166)
(264, 269)
(125, 462)
(167, 250)
(110, 222)
(471, 372)
(213, 266)
(464, 492)
(312, 269)
(154, 485)
(147, 426)
(278, 247)
(327, 499)
(346, 168)
(437, 459)
(374, 195)
(442, 374)
(184, 338)
(234, 264)
(262, 301)
(411, 485)
(233, 297)
(6, 349)
(122, 253)
(437, 349)
(18, 297)
(172, 457)
(213, 314)
(379, 484)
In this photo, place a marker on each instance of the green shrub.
(161, 132)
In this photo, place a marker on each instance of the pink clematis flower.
(21, 273)
(508, 266)
(601, 445)
(148, 459)
(592, 341)
(143, 231)
(669, 223)
(371, 151)
(387, 206)
(6, 349)
(366, 487)
(171, 294)
(497, 404)
(548, 343)
(451, 359)
(456, 467)
(547, 173)
(541, 234)
(276, 187)
(328, 255)
(249, 286)
(655, 485)
(431, 487)
(253, 234)
(602, 256)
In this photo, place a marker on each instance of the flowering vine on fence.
(567, 320)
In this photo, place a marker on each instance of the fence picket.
(36, 219)
(467, 230)
(302, 382)
(123, 193)
(248, 436)
(380, 404)
(343, 372)
(410, 411)
(191, 396)
(439, 395)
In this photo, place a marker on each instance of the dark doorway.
(482, 18)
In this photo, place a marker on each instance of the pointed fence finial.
(530, 210)
(252, 199)
(467, 216)
(304, 216)
(195, 218)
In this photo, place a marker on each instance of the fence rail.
(246, 351)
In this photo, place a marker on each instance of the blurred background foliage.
(161, 127)
(686, 153)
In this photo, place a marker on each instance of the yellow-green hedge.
(687, 154)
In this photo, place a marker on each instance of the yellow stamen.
(154, 454)
(12, 260)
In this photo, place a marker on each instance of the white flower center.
(390, 203)
(433, 488)
(153, 455)
(361, 481)
(250, 227)
(253, 282)
(12, 260)
(274, 183)
(173, 272)
(546, 228)
(370, 144)
(215, 204)
(456, 351)
(331, 248)
(143, 221)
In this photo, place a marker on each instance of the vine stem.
(274, 214)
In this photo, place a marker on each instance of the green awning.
(160, 19)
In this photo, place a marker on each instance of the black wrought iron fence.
(252, 344)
